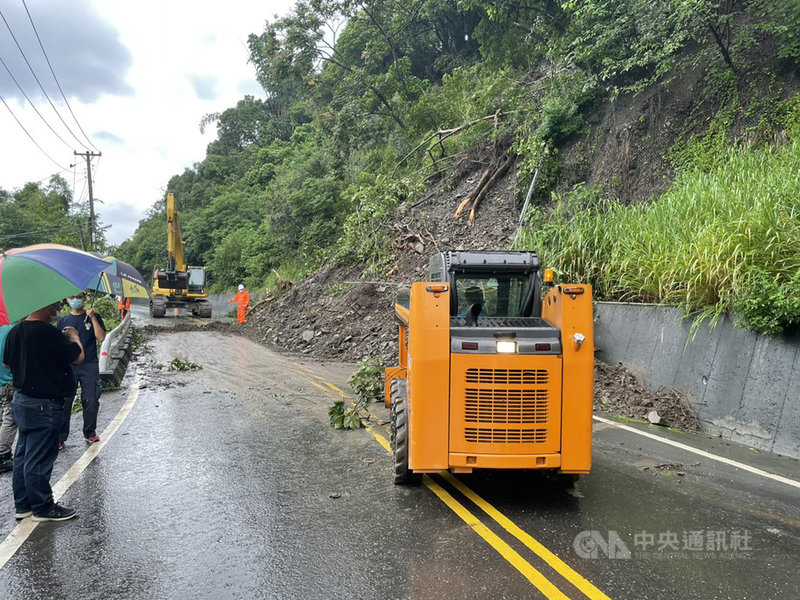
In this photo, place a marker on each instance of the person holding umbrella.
(33, 282)
(8, 428)
(91, 329)
(39, 357)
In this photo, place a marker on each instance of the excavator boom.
(178, 285)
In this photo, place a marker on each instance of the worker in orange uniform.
(124, 306)
(243, 300)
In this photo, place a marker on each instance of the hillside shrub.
(715, 242)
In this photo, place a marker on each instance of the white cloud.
(205, 88)
(88, 65)
(139, 77)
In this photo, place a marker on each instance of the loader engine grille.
(507, 376)
(505, 436)
(505, 406)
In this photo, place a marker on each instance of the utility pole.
(92, 224)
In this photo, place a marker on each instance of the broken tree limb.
(486, 174)
(442, 134)
(490, 184)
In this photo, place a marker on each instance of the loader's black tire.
(399, 410)
(158, 309)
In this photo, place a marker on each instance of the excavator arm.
(175, 243)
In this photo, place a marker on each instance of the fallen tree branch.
(442, 134)
(490, 184)
(486, 175)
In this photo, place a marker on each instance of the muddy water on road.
(235, 364)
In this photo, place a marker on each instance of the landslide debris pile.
(336, 314)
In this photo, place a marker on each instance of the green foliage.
(347, 138)
(706, 150)
(712, 244)
(769, 300)
(36, 214)
(788, 117)
(108, 385)
(106, 307)
(781, 19)
(367, 383)
(368, 379)
(365, 235)
(344, 417)
(629, 43)
(177, 364)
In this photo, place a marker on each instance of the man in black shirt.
(39, 357)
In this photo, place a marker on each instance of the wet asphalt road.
(228, 482)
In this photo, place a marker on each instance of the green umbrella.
(36, 276)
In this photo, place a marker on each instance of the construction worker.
(123, 306)
(243, 300)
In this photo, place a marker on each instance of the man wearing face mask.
(39, 356)
(91, 329)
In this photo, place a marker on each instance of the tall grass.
(722, 241)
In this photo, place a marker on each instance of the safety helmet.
(241, 287)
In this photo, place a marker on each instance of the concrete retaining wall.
(744, 386)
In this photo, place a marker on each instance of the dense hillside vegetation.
(659, 141)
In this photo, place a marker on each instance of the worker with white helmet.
(243, 300)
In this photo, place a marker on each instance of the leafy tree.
(37, 214)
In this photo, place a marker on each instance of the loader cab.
(505, 284)
(502, 295)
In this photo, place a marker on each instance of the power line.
(30, 136)
(14, 79)
(49, 177)
(56, 78)
(63, 227)
(41, 87)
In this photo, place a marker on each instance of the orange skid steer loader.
(493, 374)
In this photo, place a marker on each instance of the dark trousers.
(38, 421)
(88, 376)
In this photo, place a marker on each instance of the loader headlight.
(506, 347)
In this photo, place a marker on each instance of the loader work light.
(506, 347)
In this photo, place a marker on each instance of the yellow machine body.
(178, 285)
(468, 410)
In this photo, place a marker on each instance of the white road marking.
(703, 453)
(25, 527)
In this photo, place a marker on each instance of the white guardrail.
(109, 346)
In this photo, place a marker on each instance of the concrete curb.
(743, 386)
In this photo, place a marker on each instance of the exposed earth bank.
(338, 313)
(333, 316)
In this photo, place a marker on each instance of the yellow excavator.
(178, 285)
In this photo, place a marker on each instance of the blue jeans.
(38, 421)
(88, 376)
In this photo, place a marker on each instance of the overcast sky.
(139, 77)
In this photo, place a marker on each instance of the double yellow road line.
(539, 580)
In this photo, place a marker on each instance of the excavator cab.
(196, 277)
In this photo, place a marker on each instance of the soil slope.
(336, 314)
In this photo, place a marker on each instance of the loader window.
(503, 295)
